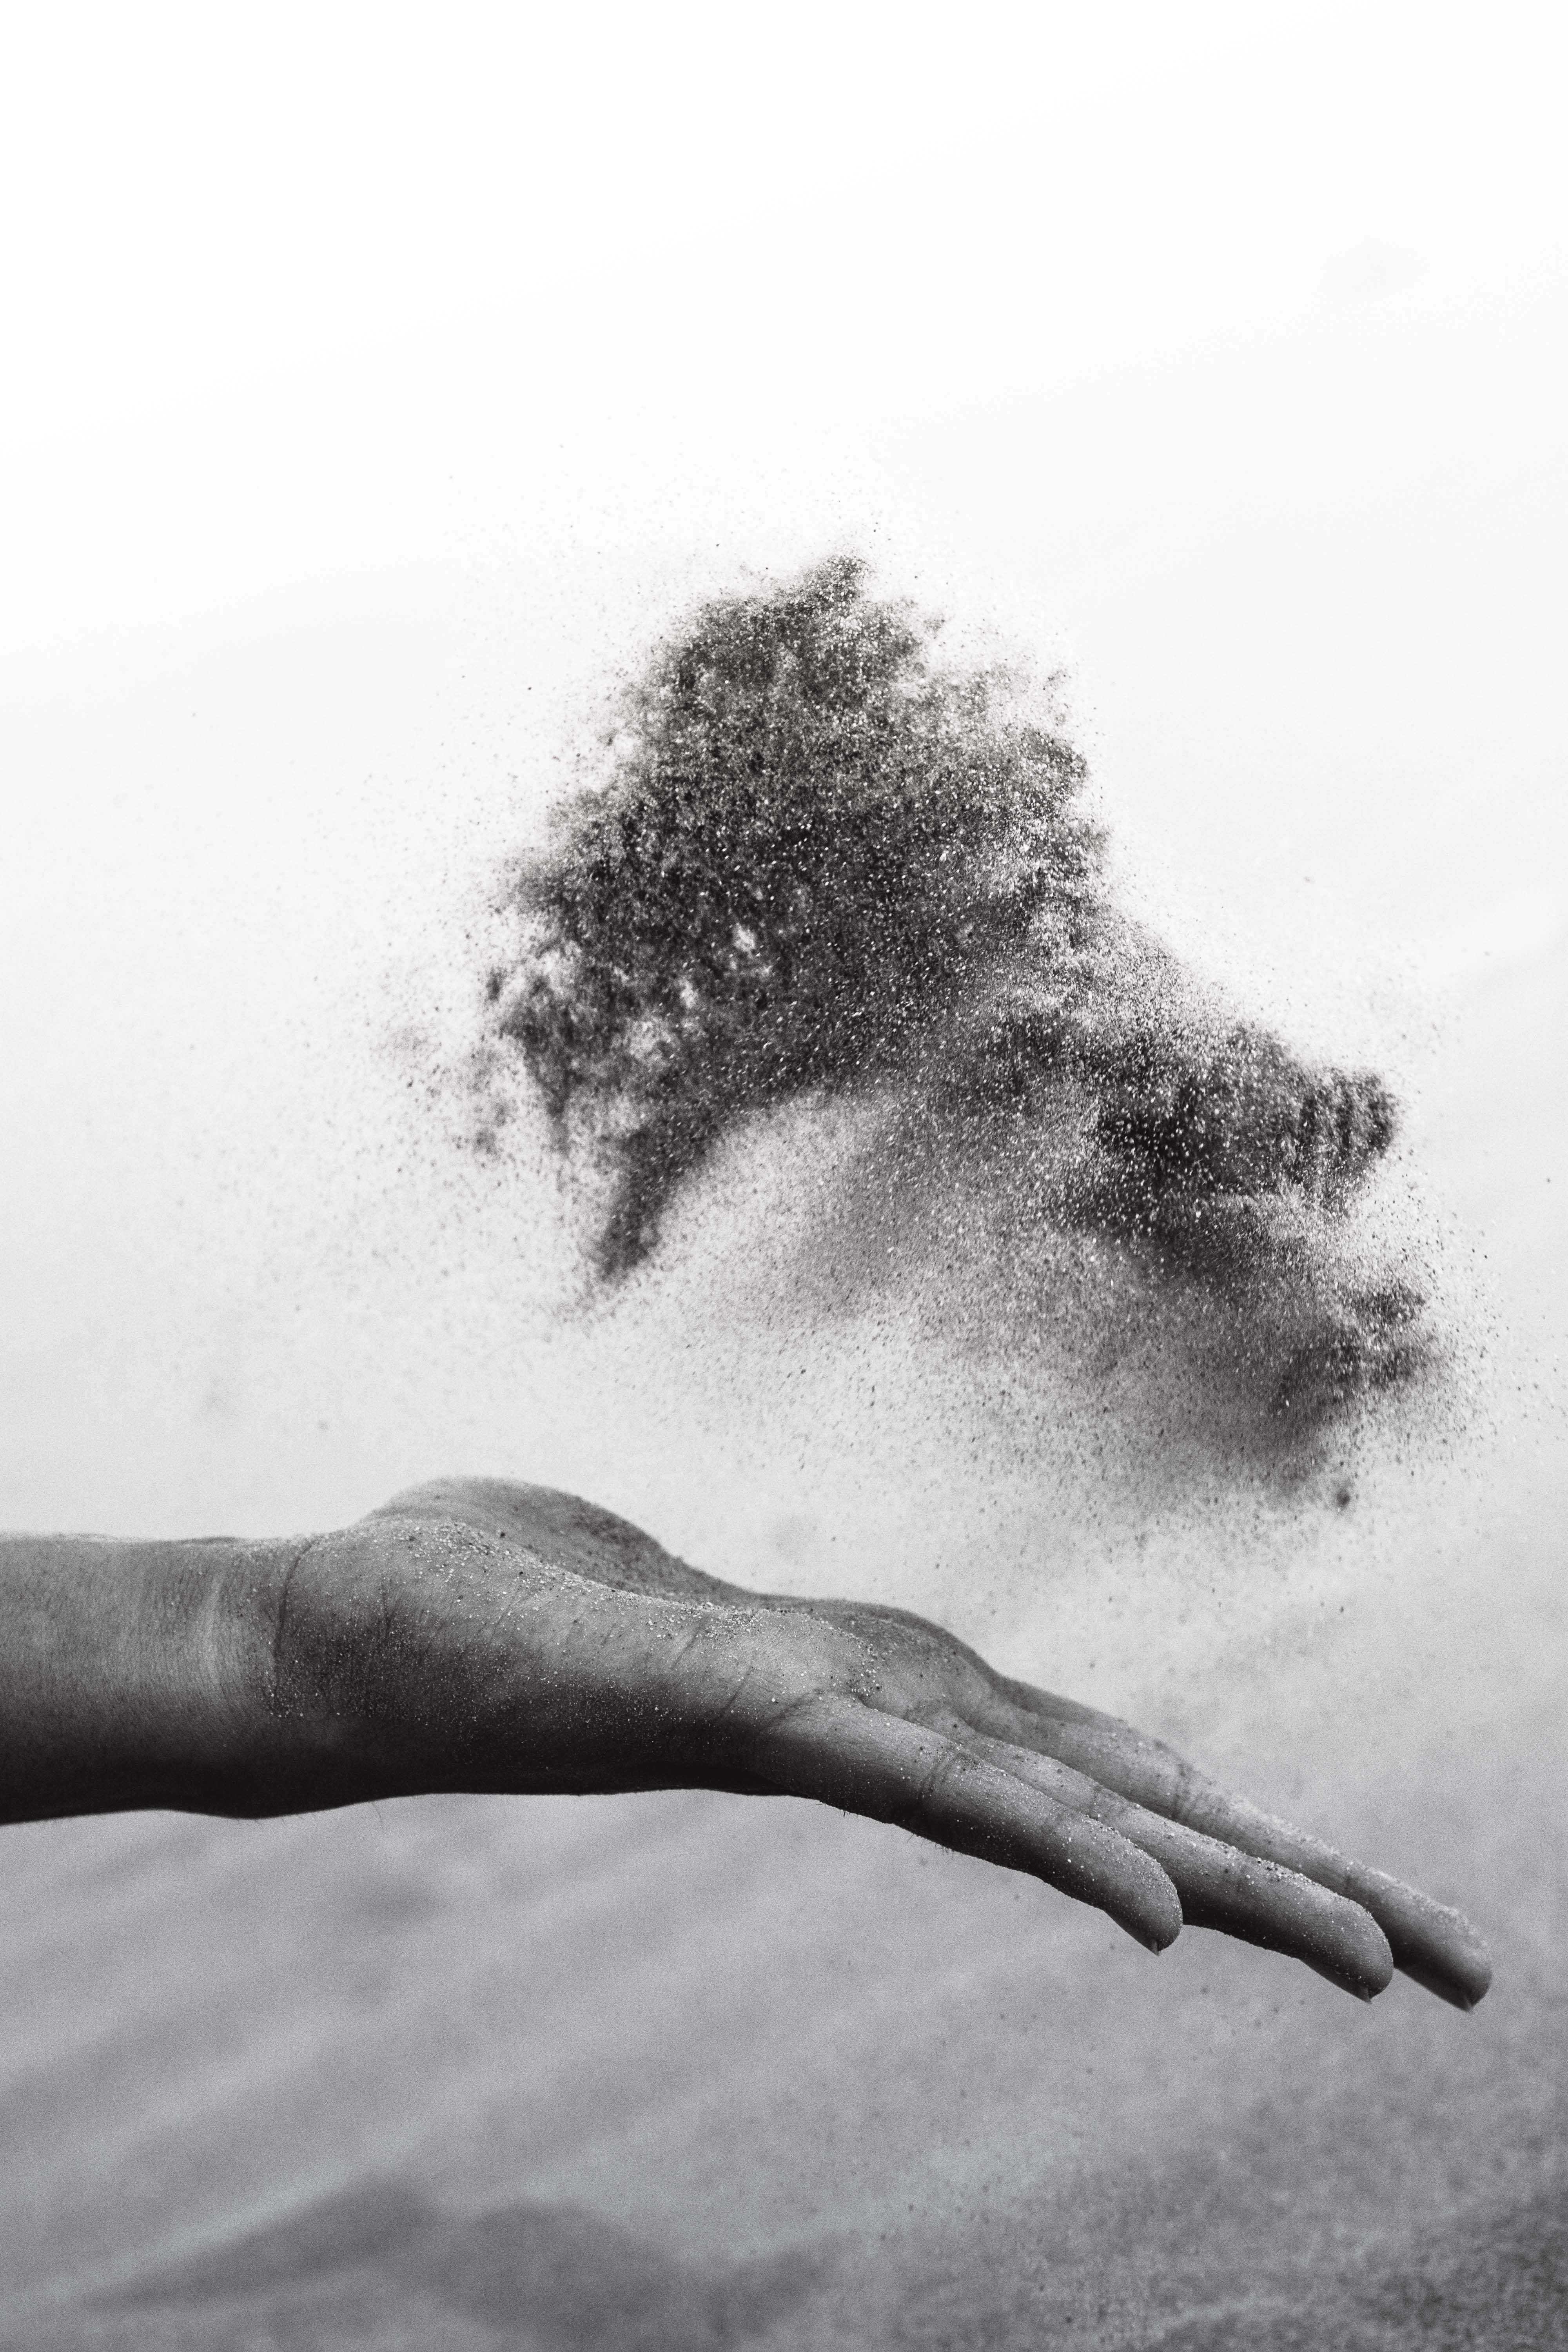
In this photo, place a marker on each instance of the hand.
(480, 1635)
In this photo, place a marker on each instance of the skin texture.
(476, 1634)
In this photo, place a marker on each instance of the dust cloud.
(839, 900)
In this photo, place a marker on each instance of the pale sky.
(257, 262)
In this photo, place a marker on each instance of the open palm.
(480, 1635)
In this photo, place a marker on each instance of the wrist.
(137, 1674)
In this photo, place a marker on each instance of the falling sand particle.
(826, 875)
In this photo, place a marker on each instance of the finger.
(1259, 1902)
(843, 1752)
(1430, 1942)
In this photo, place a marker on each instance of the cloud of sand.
(831, 873)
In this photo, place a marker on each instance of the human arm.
(477, 1636)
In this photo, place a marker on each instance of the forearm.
(139, 1674)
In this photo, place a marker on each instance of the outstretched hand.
(481, 1635)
